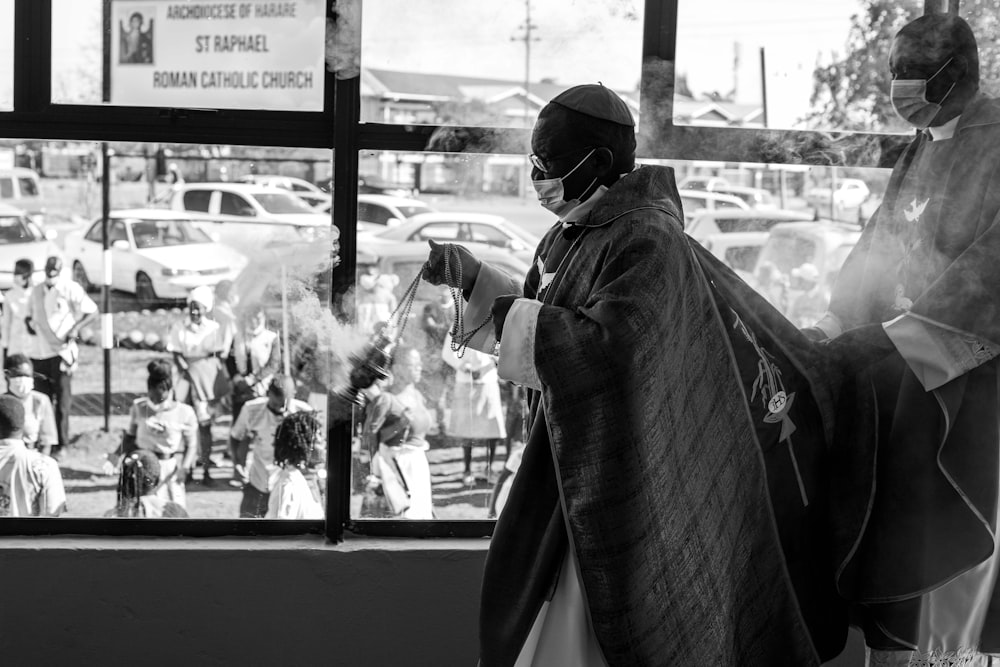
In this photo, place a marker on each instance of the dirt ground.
(90, 493)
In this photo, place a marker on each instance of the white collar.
(946, 131)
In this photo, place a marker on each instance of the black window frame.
(337, 128)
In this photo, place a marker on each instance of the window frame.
(337, 128)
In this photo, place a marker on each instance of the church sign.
(221, 55)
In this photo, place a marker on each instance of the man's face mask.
(909, 99)
(20, 386)
(551, 191)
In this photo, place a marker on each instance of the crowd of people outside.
(224, 368)
(444, 398)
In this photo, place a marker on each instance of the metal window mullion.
(347, 111)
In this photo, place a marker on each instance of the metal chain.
(460, 339)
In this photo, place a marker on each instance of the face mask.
(551, 191)
(909, 99)
(20, 386)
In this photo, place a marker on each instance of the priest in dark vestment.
(917, 457)
(672, 503)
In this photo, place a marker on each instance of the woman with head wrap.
(196, 343)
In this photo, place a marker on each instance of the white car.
(300, 187)
(21, 238)
(464, 228)
(695, 201)
(155, 254)
(725, 221)
(377, 211)
(846, 199)
(252, 217)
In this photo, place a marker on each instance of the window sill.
(299, 543)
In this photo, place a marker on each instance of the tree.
(852, 92)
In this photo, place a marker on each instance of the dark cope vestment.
(677, 446)
(918, 454)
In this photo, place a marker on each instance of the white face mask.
(20, 386)
(551, 192)
(909, 99)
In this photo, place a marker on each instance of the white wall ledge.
(298, 543)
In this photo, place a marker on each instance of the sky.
(575, 41)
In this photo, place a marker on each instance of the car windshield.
(281, 202)
(15, 229)
(160, 233)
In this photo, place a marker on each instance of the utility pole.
(526, 28)
(527, 37)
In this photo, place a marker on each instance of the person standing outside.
(30, 482)
(57, 310)
(14, 335)
(254, 430)
(39, 430)
(922, 557)
(196, 343)
(166, 428)
(396, 425)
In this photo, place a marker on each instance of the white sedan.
(464, 228)
(155, 254)
(20, 238)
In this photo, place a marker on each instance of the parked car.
(708, 223)
(20, 187)
(702, 183)
(156, 254)
(739, 250)
(21, 238)
(753, 197)
(302, 188)
(824, 244)
(695, 201)
(845, 200)
(465, 228)
(251, 217)
(405, 259)
(377, 211)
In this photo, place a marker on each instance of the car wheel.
(80, 276)
(144, 291)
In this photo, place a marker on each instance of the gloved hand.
(434, 272)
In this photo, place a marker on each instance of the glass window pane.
(6, 55)
(787, 64)
(258, 334)
(798, 223)
(410, 72)
(468, 419)
(196, 55)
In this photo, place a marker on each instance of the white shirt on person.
(39, 420)
(259, 422)
(162, 428)
(195, 341)
(291, 496)
(30, 482)
(54, 310)
(14, 333)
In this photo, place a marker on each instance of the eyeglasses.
(545, 164)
